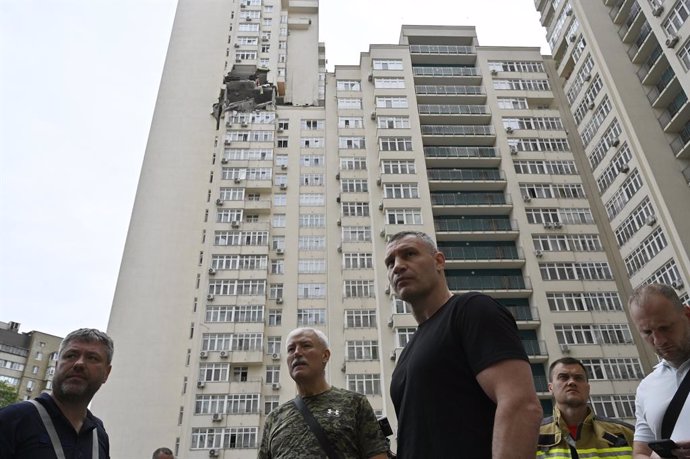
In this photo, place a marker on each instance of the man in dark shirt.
(462, 386)
(84, 363)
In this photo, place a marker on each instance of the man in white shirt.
(664, 322)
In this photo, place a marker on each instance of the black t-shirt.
(442, 411)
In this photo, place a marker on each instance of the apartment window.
(667, 274)
(236, 287)
(353, 164)
(275, 291)
(278, 242)
(616, 369)
(216, 341)
(245, 55)
(278, 220)
(273, 345)
(313, 125)
(567, 242)
(356, 318)
(311, 290)
(279, 199)
(627, 190)
(648, 249)
(577, 334)
(248, 154)
(547, 190)
(362, 350)
(348, 85)
(311, 266)
(244, 27)
(282, 142)
(224, 437)
(600, 114)
(277, 266)
(247, 40)
(400, 191)
(401, 307)
(393, 122)
(350, 122)
(272, 374)
(252, 313)
(584, 301)
(404, 335)
(367, 384)
(517, 66)
(214, 372)
(355, 209)
(229, 215)
(391, 102)
(575, 216)
(539, 144)
(227, 403)
(390, 166)
(602, 147)
(684, 55)
(275, 317)
(522, 85)
(232, 194)
(240, 374)
(387, 64)
(240, 238)
(271, 402)
(359, 289)
(349, 103)
(637, 219)
(395, 143)
(252, 14)
(545, 123)
(356, 234)
(617, 406)
(311, 160)
(389, 83)
(312, 199)
(404, 216)
(350, 143)
(354, 185)
(676, 17)
(575, 271)
(543, 167)
(512, 103)
(357, 261)
(311, 179)
(236, 262)
(312, 242)
(615, 167)
(312, 220)
(312, 142)
(311, 316)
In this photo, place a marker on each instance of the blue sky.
(78, 84)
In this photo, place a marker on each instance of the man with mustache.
(346, 417)
(664, 322)
(462, 386)
(574, 430)
(59, 424)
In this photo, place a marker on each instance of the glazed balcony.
(450, 93)
(453, 156)
(435, 75)
(466, 179)
(482, 257)
(447, 114)
(448, 134)
(495, 285)
(443, 54)
(476, 228)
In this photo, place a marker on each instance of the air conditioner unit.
(337, 176)
(378, 181)
(651, 220)
(388, 290)
(513, 150)
(238, 61)
(340, 249)
(200, 384)
(248, 19)
(212, 453)
(677, 284)
(373, 116)
(279, 300)
(223, 354)
(244, 124)
(381, 205)
(509, 130)
(538, 253)
(615, 142)
(224, 161)
(280, 130)
(237, 45)
(573, 38)
(672, 40)
(217, 417)
(275, 356)
(228, 143)
(392, 355)
(283, 186)
(526, 198)
(211, 271)
(337, 199)
(343, 367)
(29, 389)
(283, 167)
(382, 233)
(235, 224)
(370, 77)
(219, 202)
(565, 349)
(569, 12)
(264, 38)
(338, 222)
(280, 251)
(588, 77)
(557, 225)
(238, 180)
(548, 225)
(624, 168)
(276, 386)
(390, 322)
(494, 72)
(591, 106)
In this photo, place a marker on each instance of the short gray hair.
(319, 334)
(642, 292)
(425, 238)
(90, 335)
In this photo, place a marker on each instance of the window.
(393, 122)
(522, 85)
(214, 372)
(667, 274)
(271, 402)
(567, 242)
(244, 27)
(311, 265)
(278, 242)
(275, 291)
(348, 103)
(391, 102)
(272, 374)
(400, 191)
(389, 166)
(312, 160)
(389, 83)
(367, 384)
(356, 318)
(354, 185)
(351, 143)
(350, 122)
(617, 369)
(404, 216)
(355, 209)
(312, 142)
(248, 154)
(362, 350)
(356, 234)
(627, 190)
(575, 334)
(359, 289)
(278, 220)
(229, 215)
(312, 199)
(512, 103)
(311, 316)
(275, 317)
(619, 161)
(584, 301)
(603, 146)
(358, 261)
(559, 167)
(404, 335)
(273, 345)
(353, 163)
(224, 437)
(237, 287)
(387, 64)
(308, 290)
(227, 404)
(539, 144)
(395, 143)
(312, 220)
(240, 313)
(517, 66)
(636, 220)
(401, 307)
(313, 125)
(575, 271)
(348, 85)
(676, 17)
(311, 179)
(236, 262)
(282, 142)
(312, 242)
(614, 405)
(279, 199)
(648, 249)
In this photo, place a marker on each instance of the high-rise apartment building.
(269, 188)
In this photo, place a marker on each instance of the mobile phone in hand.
(663, 447)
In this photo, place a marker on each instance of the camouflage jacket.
(346, 417)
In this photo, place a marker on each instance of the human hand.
(683, 450)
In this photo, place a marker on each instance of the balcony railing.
(468, 199)
(448, 90)
(429, 109)
(464, 174)
(445, 71)
(445, 129)
(480, 253)
(534, 347)
(524, 313)
(441, 49)
(541, 384)
(486, 282)
(460, 152)
(475, 224)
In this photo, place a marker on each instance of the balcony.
(470, 203)
(476, 228)
(303, 6)
(450, 93)
(453, 156)
(527, 318)
(633, 24)
(621, 10)
(681, 144)
(442, 54)
(482, 257)
(541, 384)
(652, 69)
(470, 114)
(536, 350)
(448, 134)
(676, 114)
(446, 74)
(466, 179)
(498, 286)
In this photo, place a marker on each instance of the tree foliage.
(8, 394)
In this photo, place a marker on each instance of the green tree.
(8, 394)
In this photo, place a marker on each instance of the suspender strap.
(675, 407)
(52, 433)
(316, 428)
